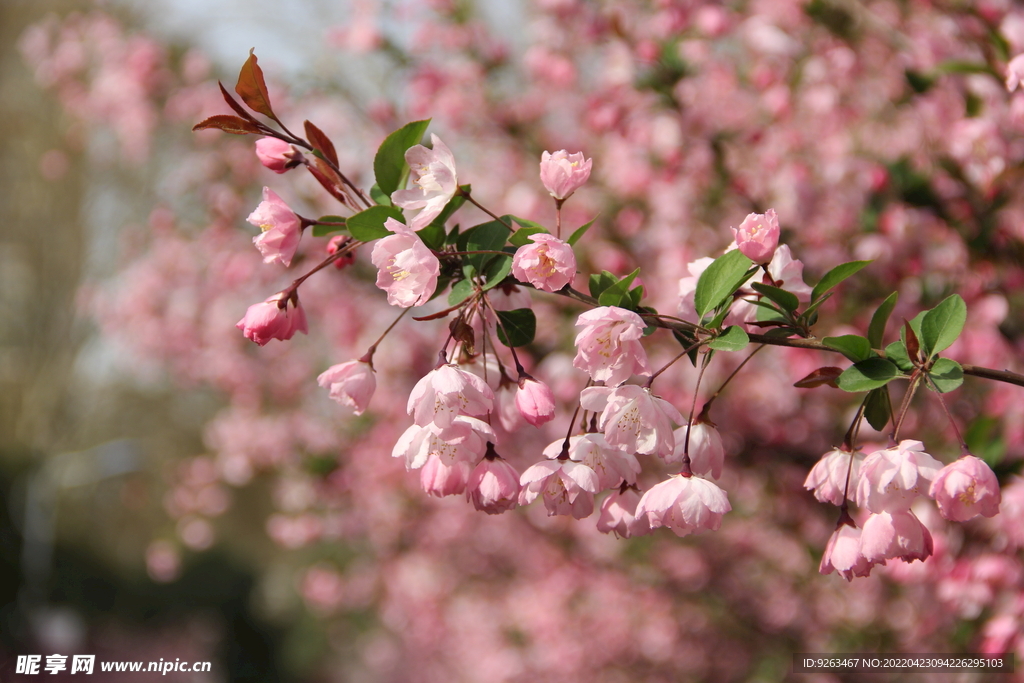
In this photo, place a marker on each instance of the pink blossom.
(609, 347)
(612, 465)
(433, 173)
(633, 419)
(442, 476)
(464, 440)
(535, 401)
(1014, 73)
(547, 264)
(273, 319)
(891, 479)
(493, 486)
(568, 487)
(965, 489)
(684, 504)
(336, 243)
(688, 286)
(446, 392)
(889, 535)
(707, 455)
(828, 476)
(281, 229)
(563, 173)
(617, 515)
(351, 384)
(842, 554)
(505, 406)
(758, 236)
(788, 272)
(407, 269)
(277, 155)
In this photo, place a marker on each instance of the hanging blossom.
(407, 269)
(281, 228)
(892, 535)
(433, 174)
(535, 401)
(843, 555)
(891, 479)
(563, 173)
(465, 439)
(828, 476)
(617, 515)
(548, 264)
(613, 466)
(633, 419)
(493, 485)
(965, 489)
(707, 454)
(273, 319)
(351, 384)
(684, 504)
(567, 487)
(447, 392)
(608, 347)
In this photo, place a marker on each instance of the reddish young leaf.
(228, 124)
(462, 332)
(329, 179)
(910, 339)
(825, 375)
(239, 109)
(321, 143)
(252, 88)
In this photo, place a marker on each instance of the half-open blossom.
(446, 392)
(568, 487)
(890, 535)
(277, 155)
(281, 229)
(617, 515)
(633, 419)
(707, 454)
(965, 489)
(548, 263)
(891, 479)
(608, 347)
(505, 405)
(684, 504)
(465, 440)
(433, 173)
(273, 319)
(758, 236)
(407, 269)
(535, 401)
(843, 554)
(563, 173)
(351, 384)
(828, 476)
(442, 476)
(612, 465)
(493, 486)
(1014, 73)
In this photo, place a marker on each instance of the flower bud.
(272, 319)
(493, 485)
(563, 173)
(758, 236)
(535, 401)
(277, 155)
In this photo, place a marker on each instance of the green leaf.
(947, 375)
(812, 310)
(517, 327)
(377, 195)
(787, 300)
(527, 223)
(942, 325)
(835, 276)
(733, 338)
(877, 408)
(618, 293)
(876, 330)
(984, 440)
(433, 236)
(575, 237)
(853, 346)
(496, 271)
(389, 167)
(867, 375)
(324, 230)
(490, 236)
(521, 237)
(600, 282)
(635, 295)
(720, 280)
(368, 225)
(461, 290)
(897, 353)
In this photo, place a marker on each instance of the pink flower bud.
(535, 401)
(281, 229)
(336, 243)
(277, 155)
(351, 384)
(563, 173)
(493, 486)
(272, 319)
(965, 489)
(547, 264)
(758, 236)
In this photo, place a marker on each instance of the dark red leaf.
(825, 375)
(239, 109)
(913, 345)
(228, 124)
(321, 142)
(329, 179)
(252, 88)
(462, 332)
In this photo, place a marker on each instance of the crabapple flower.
(277, 155)
(828, 476)
(447, 392)
(407, 269)
(1014, 73)
(273, 319)
(465, 440)
(842, 554)
(444, 477)
(505, 405)
(493, 486)
(758, 236)
(889, 535)
(612, 465)
(563, 173)
(351, 384)
(633, 419)
(965, 489)
(433, 174)
(548, 263)
(707, 455)
(688, 287)
(535, 401)
(891, 479)
(568, 487)
(684, 504)
(281, 229)
(617, 515)
(336, 243)
(608, 347)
